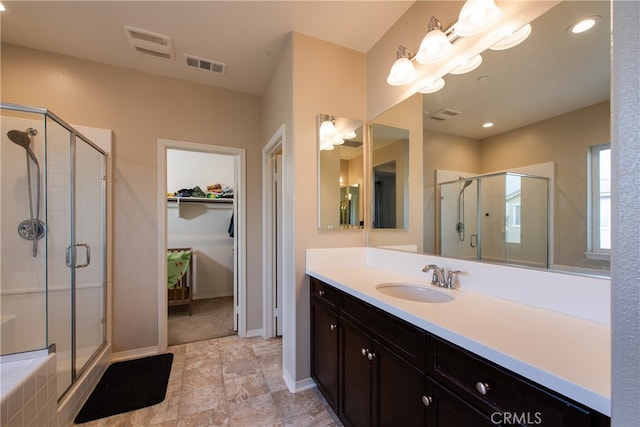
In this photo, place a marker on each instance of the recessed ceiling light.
(2, 7)
(584, 24)
(487, 125)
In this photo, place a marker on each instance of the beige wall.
(317, 88)
(140, 108)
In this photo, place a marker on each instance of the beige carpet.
(210, 318)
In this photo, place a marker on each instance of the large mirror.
(340, 173)
(389, 176)
(548, 100)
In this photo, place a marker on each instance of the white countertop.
(567, 354)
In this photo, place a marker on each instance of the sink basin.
(413, 292)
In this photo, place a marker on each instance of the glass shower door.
(76, 242)
(89, 251)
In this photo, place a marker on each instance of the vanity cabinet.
(496, 395)
(375, 369)
(324, 341)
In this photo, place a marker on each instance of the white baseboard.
(254, 333)
(297, 386)
(134, 354)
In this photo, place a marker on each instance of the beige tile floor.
(229, 382)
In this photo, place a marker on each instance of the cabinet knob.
(321, 292)
(333, 327)
(364, 351)
(427, 400)
(370, 355)
(482, 388)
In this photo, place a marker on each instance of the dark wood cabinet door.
(446, 409)
(398, 391)
(324, 352)
(355, 408)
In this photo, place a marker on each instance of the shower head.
(467, 183)
(20, 137)
(23, 139)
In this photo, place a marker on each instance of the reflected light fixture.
(2, 7)
(476, 16)
(487, 125)
(431, 86)
(584, 25)
(513, 39)
(435, 45)
(402, 71)
(467, 65)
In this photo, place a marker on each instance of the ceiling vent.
(148, 43)
(442, 114)
(205, 64)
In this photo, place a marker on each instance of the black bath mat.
(126, 386)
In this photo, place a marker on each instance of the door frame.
(275, 145)
(240, 264)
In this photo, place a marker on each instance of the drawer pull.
(427, 400)
(321, 292)
(333, 327)
(482, 388)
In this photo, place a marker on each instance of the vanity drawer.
(325, 293)
(404, 339)
(496, 390)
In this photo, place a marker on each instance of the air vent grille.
(205, 64)
(149, 43)
(443, 114)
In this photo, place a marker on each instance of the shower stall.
(53, 248)
(502, 218)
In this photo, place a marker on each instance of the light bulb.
(434, 47)
(467, 65)
(431, 86)
(476, 16)
(402, 72)
(513, 39)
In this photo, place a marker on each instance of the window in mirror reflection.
(390, 176)
(340, 173)
(600, 199)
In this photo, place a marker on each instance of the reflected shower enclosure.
(501, 218)
(53, 226)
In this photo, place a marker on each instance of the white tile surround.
(550, 327)
(29, 392)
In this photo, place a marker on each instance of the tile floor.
(229, 382)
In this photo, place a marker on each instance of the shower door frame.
(74, 135)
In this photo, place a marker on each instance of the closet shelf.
(198, 200)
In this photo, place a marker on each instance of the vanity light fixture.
(402, 71)
(467, 65)
(584, 24)
(332, 134)
(513, 39)
(435, 46)
(476, 16)
(431, 86)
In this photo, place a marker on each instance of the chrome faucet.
(438, 275)
(438, 278)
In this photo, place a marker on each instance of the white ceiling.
(248, 36)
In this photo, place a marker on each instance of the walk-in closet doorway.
(203, 232)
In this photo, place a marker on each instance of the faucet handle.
(452, 278)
